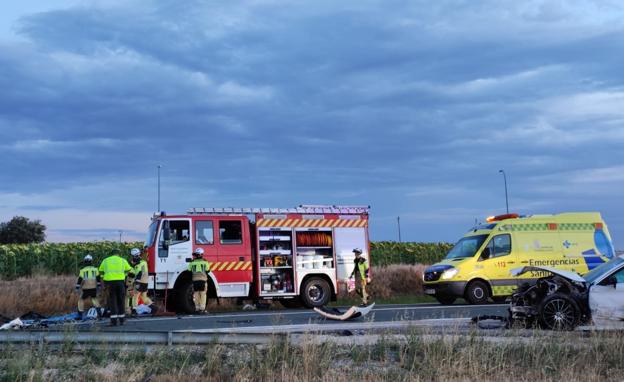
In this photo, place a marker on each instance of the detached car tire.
(446, 300)
(559, 312)
(477, 292)
(316, 292)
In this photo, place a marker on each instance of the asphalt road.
(290, 317)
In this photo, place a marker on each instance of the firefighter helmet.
(357, 251)
(88, 259)
(198, 252)
(135, 252)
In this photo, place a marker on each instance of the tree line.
(21, 230)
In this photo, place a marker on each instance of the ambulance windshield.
(466, 247)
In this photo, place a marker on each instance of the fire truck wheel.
(184, 297)
(316, 292)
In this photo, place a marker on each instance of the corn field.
(18, 260)
(392, 252)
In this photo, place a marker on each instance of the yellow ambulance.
(478, 267)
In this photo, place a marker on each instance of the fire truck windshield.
(151, 234)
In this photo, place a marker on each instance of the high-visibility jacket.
(361, 268)
(199, 268)
(140, 272)
(88, 277)
(114, 268)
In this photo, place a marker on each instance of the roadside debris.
(351, 313)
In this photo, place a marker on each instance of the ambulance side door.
(498, 259)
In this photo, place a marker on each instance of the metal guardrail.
(134, 338)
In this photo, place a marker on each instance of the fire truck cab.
(299, 256)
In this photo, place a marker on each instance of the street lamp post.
(159, 166)
(120, 233)
(506, 197)
(399, 227)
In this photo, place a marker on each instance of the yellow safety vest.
(89, 276)
(141, 267)
(114, 268)
(199, 269)
(361, 267)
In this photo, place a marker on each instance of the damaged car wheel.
(558, 312)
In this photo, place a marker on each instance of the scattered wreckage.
(564, 300)
(340, 315)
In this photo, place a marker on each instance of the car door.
(606, 298)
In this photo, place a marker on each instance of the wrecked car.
(563, 300)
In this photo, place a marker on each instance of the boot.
(153, 308)
(121, 321)
(113, 322)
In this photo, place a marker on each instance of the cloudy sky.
(411, 107)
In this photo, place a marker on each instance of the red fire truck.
(300, 256)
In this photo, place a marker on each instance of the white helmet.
(198, 252)
(134, 252)
(88, 258)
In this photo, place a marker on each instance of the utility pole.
(506, 197)
(159, 166)
(120, 233)
(399, 227)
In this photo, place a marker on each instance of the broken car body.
(564, 300)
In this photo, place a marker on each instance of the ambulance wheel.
(184, 298)
(316, 293)
(446, 300)
(477, 292)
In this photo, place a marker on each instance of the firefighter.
(114, 269)
(135, 256)
(128, 283)
(200, 269)
(87, 283)
(141, 277)
(360, 271)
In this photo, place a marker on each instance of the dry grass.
(42, 294)
(397, 279)
(417, 357)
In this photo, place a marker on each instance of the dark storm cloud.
(407, 106)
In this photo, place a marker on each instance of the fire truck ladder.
(302, 209)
